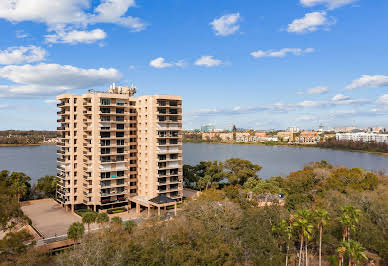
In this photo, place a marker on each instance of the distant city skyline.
(266, 64)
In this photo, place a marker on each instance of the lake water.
(38, 161)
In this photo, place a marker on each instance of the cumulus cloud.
(74, 12)
(207, 61)
(315, 90)
(68, 15)
(281, 53)
(340, 97)
(331, 4)
(367, 81)
(76, 36)
(310, 22)
(383, 99)
(50, 79)
(22, 54)
(160, 62)
(226, 25)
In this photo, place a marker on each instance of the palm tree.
(284, 230)
(129, 226)
(354, 250)
(19, 183)
(89, 218)
(117, 220)
(305, 228)
(76, 231)
(102, 218)
(349, 219)
(321, 218)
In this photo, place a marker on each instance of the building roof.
(162, 199)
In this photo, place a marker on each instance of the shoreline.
(289, 145)
(21, 145)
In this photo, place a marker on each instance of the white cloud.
(59, 15)
(315, 90)
(340, 97)
(3, 106)
(76, 36)
(367, 81)
(226, 25)
(331, 4)
(160, 62)
(383, 99)
(50, 101)
(311, 104)
(50, 79)
(22, 54)
(281, 53)
(20, 34)
(310, 22)
(208, 61)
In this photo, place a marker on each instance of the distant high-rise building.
(115, 149)
(207, 128)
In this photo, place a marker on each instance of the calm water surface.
(38, 161)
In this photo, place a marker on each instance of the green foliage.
(13, 244)
(25, 137)
(129, 226)
(89, 218)
(239, 171)
(47, 185)
(117, 220)
(102, 218)
(12, 188)
(76, 231)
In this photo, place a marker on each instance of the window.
(105, 175)
(105, 159)
(105, 150)
(119, 158)
(120, 150)
(105, 101)
(120, 173)
(119, 118)
(105, 134)
(105, 118)
(105, 110)
(119, 134)
(120, 142)
(120, 126)
(119, 110)
(105, 142)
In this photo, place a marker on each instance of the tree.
(349, 220)
(301, 222)
(89, 218)
(239, 171)
(102, 218)
(284, 231)
(129, 226)
(117, 220)
(13, 244)
(76, 231)
(47, 185)
(321, 218)
(19, 183)
(354, 250)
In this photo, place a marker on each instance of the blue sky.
(257, 64)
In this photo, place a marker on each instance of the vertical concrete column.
(175, 209)
(137, 208)
(158, 211)
(95, 207)
(149, 211)
(72, 208)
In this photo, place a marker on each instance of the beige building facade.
(115, 147)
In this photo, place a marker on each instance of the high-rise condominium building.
(116, 149)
